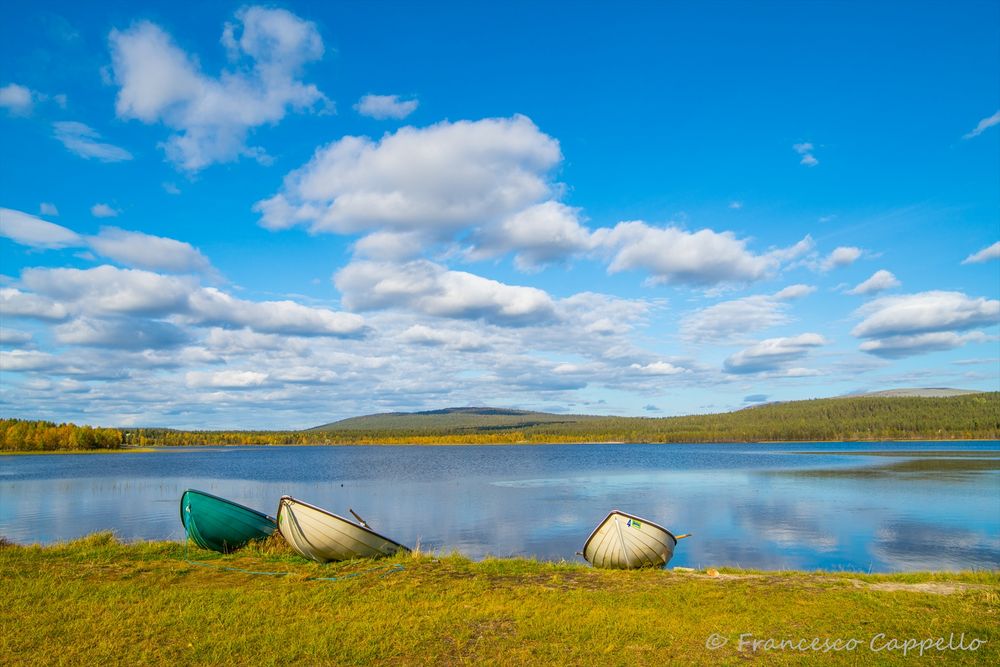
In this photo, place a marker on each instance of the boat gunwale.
(282, 502)
(630, 516)
(270, 518)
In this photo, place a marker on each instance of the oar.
(360, 520)
(678, 537)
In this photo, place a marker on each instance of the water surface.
(858, 506)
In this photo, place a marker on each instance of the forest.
(967, 417)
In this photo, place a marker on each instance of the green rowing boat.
(222, 525)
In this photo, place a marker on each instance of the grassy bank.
(96, 600)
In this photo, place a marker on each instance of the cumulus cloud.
(16, 99)
(122, 333)
(774, 354)
(31, 231)
(212, 116)
(84, 141)
(466, 341)
(228, 379)
(135, 249)
(925, 312)
(733, 319)
(145, 251)
(658, 368)
(46, 208)
(983, 125)
(103, 211)
(879, 281)
(895, 347)
(434, 180)
(15, 303)
(840, 257)
(702, 258)
(538, 235)
(984, 255)
(210, 306)
(27, 360)
(806, 151)
(385, 106)
(431, 289)
(109, 291)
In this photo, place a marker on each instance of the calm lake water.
(912, 506)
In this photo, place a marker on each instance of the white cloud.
(120, 333)
(229, 379)
(658, 368)
(924, 312)
(773, 354)
(983, 125)
(431, 289)
(806, 151)
(736, 205)
(46, 208)
(212, 116)
(106, 290)
(213, 307)
(466, 341)
(385, 106)
(16, 99)
(104, 211)
(734, 319)
(984, 255)
(391, 246)
(672, 255)
(539, 234)
(35, 232)
(10, 336)
(895, 347)
(15, 303)
(434, 180)
(879, 281)
(171, 188)
(146, 251)
(842, 256)
(84, 141)
(136, 249)
(27, 360)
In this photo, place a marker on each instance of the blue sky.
(248, 216)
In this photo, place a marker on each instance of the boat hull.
(323, 536)
(623, 541)
(222, 525)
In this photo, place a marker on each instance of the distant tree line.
(24, 435)
(969, 417)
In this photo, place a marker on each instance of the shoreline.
(160, 448)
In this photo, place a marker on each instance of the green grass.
(99, 601)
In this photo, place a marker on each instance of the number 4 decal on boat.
(635, 524)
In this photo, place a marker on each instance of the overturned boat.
(624, 541)
(222, 525)
(323, 536)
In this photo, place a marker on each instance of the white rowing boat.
(624, 541)
(324, 536)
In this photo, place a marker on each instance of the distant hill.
(916, 392)
(892, 416)
(452, 420)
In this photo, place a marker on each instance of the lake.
(877, 507)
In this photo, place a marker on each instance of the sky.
(224, 215)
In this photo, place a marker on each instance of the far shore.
(164, 448)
